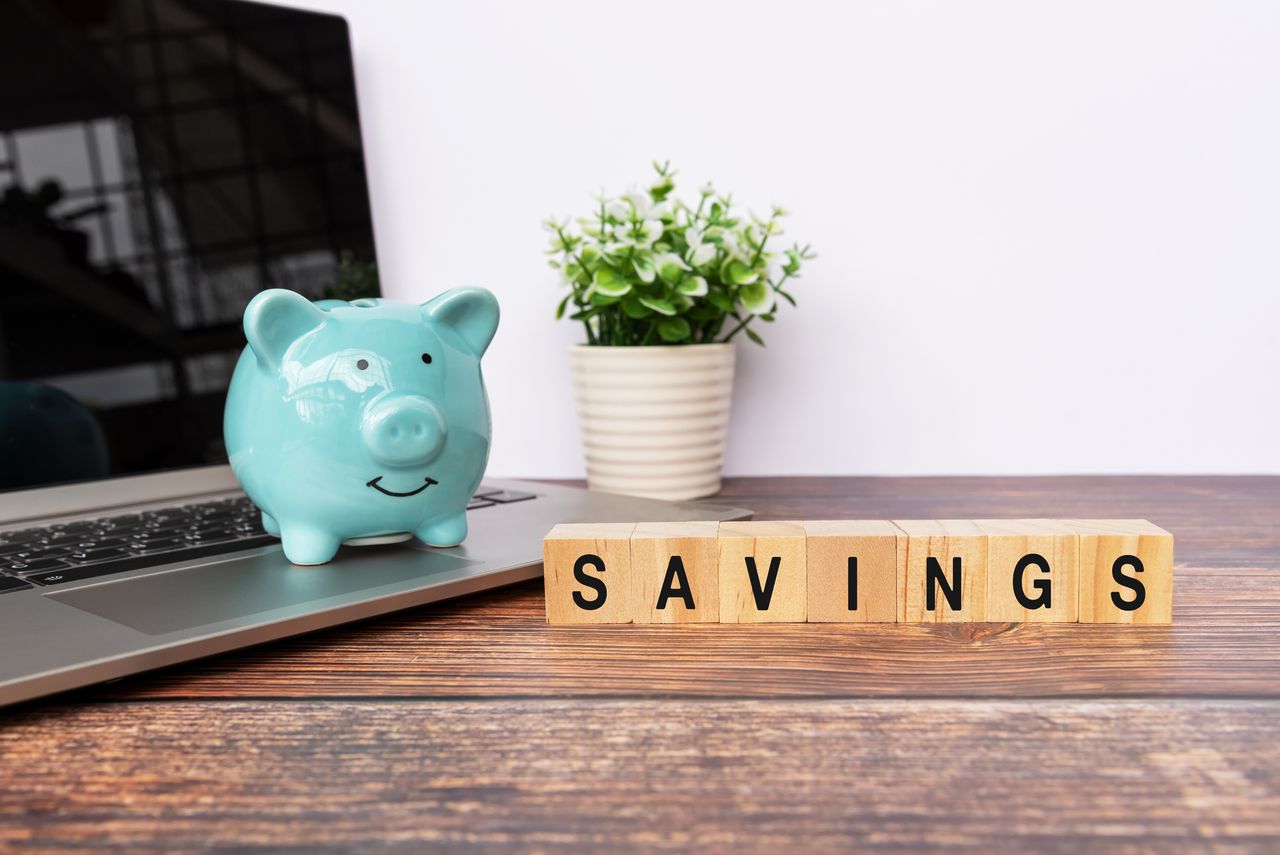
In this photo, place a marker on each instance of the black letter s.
(591, 582)
(1135, 585)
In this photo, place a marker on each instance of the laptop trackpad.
(184, 599)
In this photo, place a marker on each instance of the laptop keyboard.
(71, 552)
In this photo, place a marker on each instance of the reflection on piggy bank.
(361, 420)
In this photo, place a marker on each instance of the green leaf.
(610, 283)
(739, 273)
(751, 334)
(563, 304)
(644, 267)
(720, 300)
(786, 296)
(703, 312)
(662, 307)
(634, 308)
(694, 286)
(598, 299)
(757, 298)
(674, 329)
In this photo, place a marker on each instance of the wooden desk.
(473, 723)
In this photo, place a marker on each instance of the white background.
(1049, 233)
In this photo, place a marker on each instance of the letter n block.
(1126, 571)
(1032, 571)
(762, 572)
(586, 568)
(674, 573)
(854, 568)
(946, 568)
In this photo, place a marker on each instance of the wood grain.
(622, 776)
(473, 724)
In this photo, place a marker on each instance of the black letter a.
(675, 572)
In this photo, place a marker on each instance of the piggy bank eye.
(426, 358)
(362, 364)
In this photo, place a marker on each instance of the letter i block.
(762, 572)
(1126, 571)
(674, 573)
(854, 567)
(1032, 571)
(586, 569)
(946, 572)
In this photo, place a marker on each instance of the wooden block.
(854, 567)
(762, 572)
(946, 567)
(586, 571)
(1126, 571)
(675, 572)
(1032, 571)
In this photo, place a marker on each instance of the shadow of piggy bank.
(357, 420)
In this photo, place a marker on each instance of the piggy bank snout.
(404, 430)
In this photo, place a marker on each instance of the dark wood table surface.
(472, 724)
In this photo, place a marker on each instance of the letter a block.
(587, 570)
(946, 572)
(762, 572)
(854, 567)
(1032, 571)
(1126, 571)
(674, 573)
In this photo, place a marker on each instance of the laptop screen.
(161, 161)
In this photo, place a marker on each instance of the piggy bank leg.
(444, 531)
(270, 525)
(307, 545)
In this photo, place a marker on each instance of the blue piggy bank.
(361, 422)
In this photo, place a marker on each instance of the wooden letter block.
(1032, 571)
(946, 572)
(854, 567)
(762, 572)
(674, 573)
(1126, 571)
(587, 570)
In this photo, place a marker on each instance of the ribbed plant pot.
(654, 418)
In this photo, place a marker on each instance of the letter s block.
(1126, 571)
(586, 568)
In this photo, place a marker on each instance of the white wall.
(1049, 233)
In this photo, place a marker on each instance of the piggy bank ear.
(472, 313)
(276, 319)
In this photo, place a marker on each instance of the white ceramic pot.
(654, 418)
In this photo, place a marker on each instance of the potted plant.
(662, 289)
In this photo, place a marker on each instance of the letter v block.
(674, 573)
(946, 572)
(1126, 571)
(762, 572)
(586, 568)
(1032, 571)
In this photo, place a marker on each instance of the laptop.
(162, 161)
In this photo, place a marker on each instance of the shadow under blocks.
(860, 571)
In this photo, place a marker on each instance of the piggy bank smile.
(427, 482)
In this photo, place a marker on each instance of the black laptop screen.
(161, 161)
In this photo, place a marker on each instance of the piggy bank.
(361, 422)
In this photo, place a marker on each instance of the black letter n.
(935, 580)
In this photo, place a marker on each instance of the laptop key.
(137, 562)
(24, 567)
(506, 497)
(475, 504)
(8, 583)
(88, 555)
